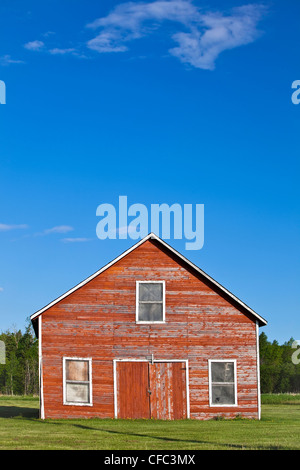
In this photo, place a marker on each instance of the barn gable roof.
(219, 287)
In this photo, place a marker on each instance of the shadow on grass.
(14, 411)
(32, 414)
(170, 439)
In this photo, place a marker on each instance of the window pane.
(223, 394)
(150, 312)
(151, 292)
(77, 370)
(77, 393)
(222, 371)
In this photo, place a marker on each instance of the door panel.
(133, 386)
(168, 390)
(155, 390)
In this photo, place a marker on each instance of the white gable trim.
(151, 236)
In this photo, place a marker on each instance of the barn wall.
(98, 321)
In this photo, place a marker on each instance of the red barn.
(150, 335)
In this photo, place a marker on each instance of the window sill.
(77, 404)
(140, 322)
(213, 405)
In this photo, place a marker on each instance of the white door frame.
(151, 361)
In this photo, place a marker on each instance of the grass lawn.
(20, 428)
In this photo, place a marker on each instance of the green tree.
(19, 374)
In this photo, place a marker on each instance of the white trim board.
(153, 237)
(258, 371)
(42, 409)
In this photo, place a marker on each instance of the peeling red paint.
(98, 321)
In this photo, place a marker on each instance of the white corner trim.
(258, 370)
(42, 409)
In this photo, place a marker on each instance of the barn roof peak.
(153, 236)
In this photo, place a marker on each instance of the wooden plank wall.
(98, 321)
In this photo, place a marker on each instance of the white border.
(221, 405)
(137, 302)
(89, 360)
(154, 360)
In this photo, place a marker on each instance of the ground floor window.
(77, 381)
(222, 383)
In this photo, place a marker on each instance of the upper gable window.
(150, 301)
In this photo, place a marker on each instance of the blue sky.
(172, 101)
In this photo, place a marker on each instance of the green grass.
(280, 399)
(20, 428)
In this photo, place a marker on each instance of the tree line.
(279, 364)
(19, 375)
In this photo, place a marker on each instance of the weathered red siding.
(98, 321)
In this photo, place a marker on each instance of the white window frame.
(86, 359)
(221, 405)
(137, 302)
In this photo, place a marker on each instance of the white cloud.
(221, 33)
(6, 227)
(75, 240)
(127, 22)
(58, 51)
(200, 36)
(34, 45)
(1, 289)
(58, 229)
(7, 60)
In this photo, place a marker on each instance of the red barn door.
(133, 386)
(168, 390)
(146, 390)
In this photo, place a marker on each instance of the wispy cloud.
(56, 229)
(34, 45)
(59, 51)
(7, 227)
(1, 289)
(41, 46)
(200, 36)
(59, 229)
(122, 230)
(6, 60)
(75, 240)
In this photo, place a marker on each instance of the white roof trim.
(155, 237)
